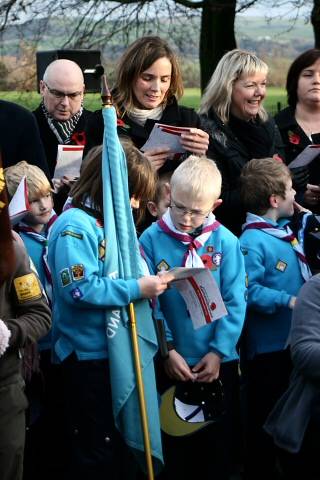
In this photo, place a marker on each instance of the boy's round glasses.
(60, 95)
(195, 214)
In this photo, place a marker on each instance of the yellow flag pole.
(140, 386)
(107, 103)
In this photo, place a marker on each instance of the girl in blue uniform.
(77, 249)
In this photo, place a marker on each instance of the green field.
(191, 98)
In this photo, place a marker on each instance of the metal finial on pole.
(105, 93)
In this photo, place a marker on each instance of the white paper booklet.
(165, 136)
(305, 157)
(69, 160)
(201, 294)
(19, 205)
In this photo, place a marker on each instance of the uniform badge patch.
(76, 294)
(281, 265)
(70, 233)
(207, 262)
(102, 250)
(244, 251)
(65, 277)
(210, 249)
(77, 272)
(27, 288)
(163, 266)
(216, 258)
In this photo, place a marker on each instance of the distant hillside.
(277, 42)
(251, 32)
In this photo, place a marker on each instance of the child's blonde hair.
(37, 182)
(197, 176)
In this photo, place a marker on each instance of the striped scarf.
(283, 233)
(62, 130)
(191, 257)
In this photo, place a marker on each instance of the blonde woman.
(239, 127)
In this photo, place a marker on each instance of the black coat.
(231, 155)
(50, 141)
(173, 114)
(295, 141)
(19, 137)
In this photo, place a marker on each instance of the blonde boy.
(189, 235)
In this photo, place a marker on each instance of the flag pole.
(140, 386)
(107, 103)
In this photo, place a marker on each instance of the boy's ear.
(217, 204)
(151, 206)
(273, 200)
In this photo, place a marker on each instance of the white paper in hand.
(305, 157)
(69, 160)
(19, 205)
(165, 136)
(202, 296)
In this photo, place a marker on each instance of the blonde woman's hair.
(197, 176)
(37, 183)
(218, 93)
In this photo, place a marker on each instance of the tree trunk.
(217, 35)
(315, 20)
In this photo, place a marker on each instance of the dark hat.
(189, 406)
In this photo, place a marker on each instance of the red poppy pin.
(121, 124)
(79, 138)
(294, 138)
(207, 261)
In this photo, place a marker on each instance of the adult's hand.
(195, 141)
(312, 195)
(157, 156)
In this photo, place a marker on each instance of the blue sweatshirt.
(222, 252)
(274, 276)
(81, 292)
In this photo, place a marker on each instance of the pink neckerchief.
(283, 233)
(191, 257)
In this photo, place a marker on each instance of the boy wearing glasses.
(189, 235)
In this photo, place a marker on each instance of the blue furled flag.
(123, 260)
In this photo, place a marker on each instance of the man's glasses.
(60, 95)
(195, 214)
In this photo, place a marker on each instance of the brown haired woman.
(299, 123)
(147, 89)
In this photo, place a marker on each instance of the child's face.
(40, 210)
(157, 209)
(187, 213)
(286, 205)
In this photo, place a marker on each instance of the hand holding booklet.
(166, 136)
(200, 293)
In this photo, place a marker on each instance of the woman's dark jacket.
(231, 155)
(173, 114)
(295, 141)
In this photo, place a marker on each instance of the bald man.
(61, 116)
